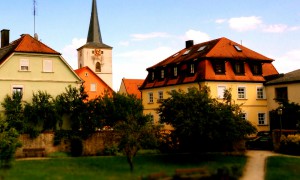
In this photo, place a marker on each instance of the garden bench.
(191, 173)
(34, 152)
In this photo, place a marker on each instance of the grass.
(116, 167)
(287, 168)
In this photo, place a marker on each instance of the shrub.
(290, 144)
(110, 150)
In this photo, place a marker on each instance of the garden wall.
(94, 145)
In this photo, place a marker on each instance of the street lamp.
(279, 111)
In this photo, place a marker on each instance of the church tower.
(95, 54)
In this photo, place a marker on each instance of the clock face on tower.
(97, 52)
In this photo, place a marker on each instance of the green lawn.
(116, 167)
(283, 168)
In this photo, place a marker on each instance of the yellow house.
(219, 64)
(27, 65)
(285, 87)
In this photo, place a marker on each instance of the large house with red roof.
(219, 64)
(27, 65)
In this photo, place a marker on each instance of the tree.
(14, 111)
(202, 123)
(135, 129)
(8, 143)
(40, 115)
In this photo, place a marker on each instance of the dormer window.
(175, 71)
(256, 69)
(152, 76)
(238, 68)
(219, 67)
(162, 74)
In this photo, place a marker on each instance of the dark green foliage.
(8, 144)
(290, 117)
(14, 111)
(76, 146)
(202, 123)
(40, 115)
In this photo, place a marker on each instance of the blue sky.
(144, 32)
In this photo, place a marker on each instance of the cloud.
(245, 23)
(123, 43)
(275, 28)
(197, 36)
(141, 37)
(69, 52)
(220, 21)
(288, 62)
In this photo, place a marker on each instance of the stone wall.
(92, 146)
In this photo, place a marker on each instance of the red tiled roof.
(221, 49)
(132, 86)
(26, 44)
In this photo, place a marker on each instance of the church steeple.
(94, 34)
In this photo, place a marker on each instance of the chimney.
(189, 43)
(4, 37)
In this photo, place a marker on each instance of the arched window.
(98, 67)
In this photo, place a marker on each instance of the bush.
(290, 144)
(110, 150)
(76, 146)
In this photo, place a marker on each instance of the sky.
(145, 32)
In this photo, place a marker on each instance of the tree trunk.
(130, 161)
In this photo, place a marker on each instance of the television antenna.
(34, 14)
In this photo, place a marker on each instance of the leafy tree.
(8, 143)
(73, 103)
(40, 113)
(202, 123)
(14, 111)
(135, 129)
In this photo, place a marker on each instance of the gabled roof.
(132, 86)
(86, 68)
(291, 77)
(214, 49)
(25, 44)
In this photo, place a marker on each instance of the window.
(281, 94)
(175, 71)
(244, 116)
(47, 65)
(192, 68)
(162, 74)
(152, 76)
(221, 90)
(93, 87)
(186, 52)
(256, 69)
(201, 48)
(24, 64)
(160, 95)
(262, 119)
(260, 93)
(241, 92)
(98, 67)
(150, 95)
(237, 48)
(219, 67)
(17, 89)
(238, 68)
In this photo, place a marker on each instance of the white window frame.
(150, 97)
(93, 87)
(162, 74)
(192, 70)
(258, 95)
(245, 115)
(160, 95)
(15, 88)
(47, 65)
(241, 95)
(175, 71)
(23, 64)
(219, 93)
(262, 121)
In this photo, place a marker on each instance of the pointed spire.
(94, 35)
